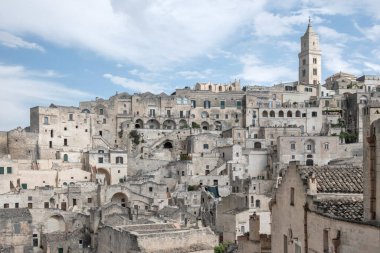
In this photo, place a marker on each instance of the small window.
(150, 189)
(46, 204)
(101, 111)
(24, 186)
(292, 146)
(30, 205)
(71, 117)
(206, 104)
(313, 114)
(65, 158)
(183, 173)
(193, 103)
(64, 142)
(104, 121)
(100, 159)
(308, 147)
(315, 72)
(89, 200)
(222, 104)
(6, 205)
(50, 144)
(101, 133)
(226, 116)
(238, 104)
(119, 160)
(205, 146)
(304, 62)
(258, 203)
(17, 205)
(30, 198)
(1, 170)
(46, 120)
(303, 73)
(326, 146)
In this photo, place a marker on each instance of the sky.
(63, 52)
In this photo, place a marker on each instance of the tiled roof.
(344, 208)
(336, 179)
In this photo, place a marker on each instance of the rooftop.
(336, 179)
(342, 208)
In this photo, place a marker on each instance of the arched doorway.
(309, 162)
(103, 176)
(168, 124)
(120, 199)
(139, 124)
(168, 145)
(205, 125)
(153, 124)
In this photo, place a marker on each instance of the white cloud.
(147, 33)
(335, 59)
(195, 74)
(373, 67)
(21, 89)
(371, 33)
(12, 41)
(256, 71)
(329, 34)
(135, 86)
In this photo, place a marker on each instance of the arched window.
(281, 114)
(265, 114)
(272, 114)
(119, 160)
(298, 114)
(289, 114)
(257, 145)
(65, 158)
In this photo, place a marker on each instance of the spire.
(309, 27)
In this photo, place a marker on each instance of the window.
(314, 60)
(326, 146)
(51, 133)
(1, 170)
(46, 120)
(101, 111)
(60, 250)
(64, 142)
(101, 133)
(150, 189)
(17, 228)
(226, 116)
(6, 205)
(104, 121)
(100, 159)
(152, 113)
(183, 173)
(238, 104)
(168, 113)
(222, 104)
(193, 103)
(89, 200)
(303, 73)
(285, 242)
(16, 205)
(205, 146)
(71, 117)
(206, 104)
(327, 103)
(184, 101)
(35, 240)
(257, 203)
(292, 146)
(181, 115)
(293, 157)
(46, 204)
(215, 182)
(30, 205)
(308, 147)
(119, 160)
(292, 196)
(314, 72)
(242, 229)
(30, 198)
(65, 128)
(50, 144)
(179, 101)
(304, 62)
(24, 186)
(74, 202)
(313, 114)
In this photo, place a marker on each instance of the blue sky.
(64, 52)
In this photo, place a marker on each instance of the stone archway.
(205, 125)
(153, 124)
(120, 198)
(169, 124)
(309, 162)
(168, 145)
(55, 223)
(103, 176)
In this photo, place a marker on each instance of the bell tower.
(309, 71)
